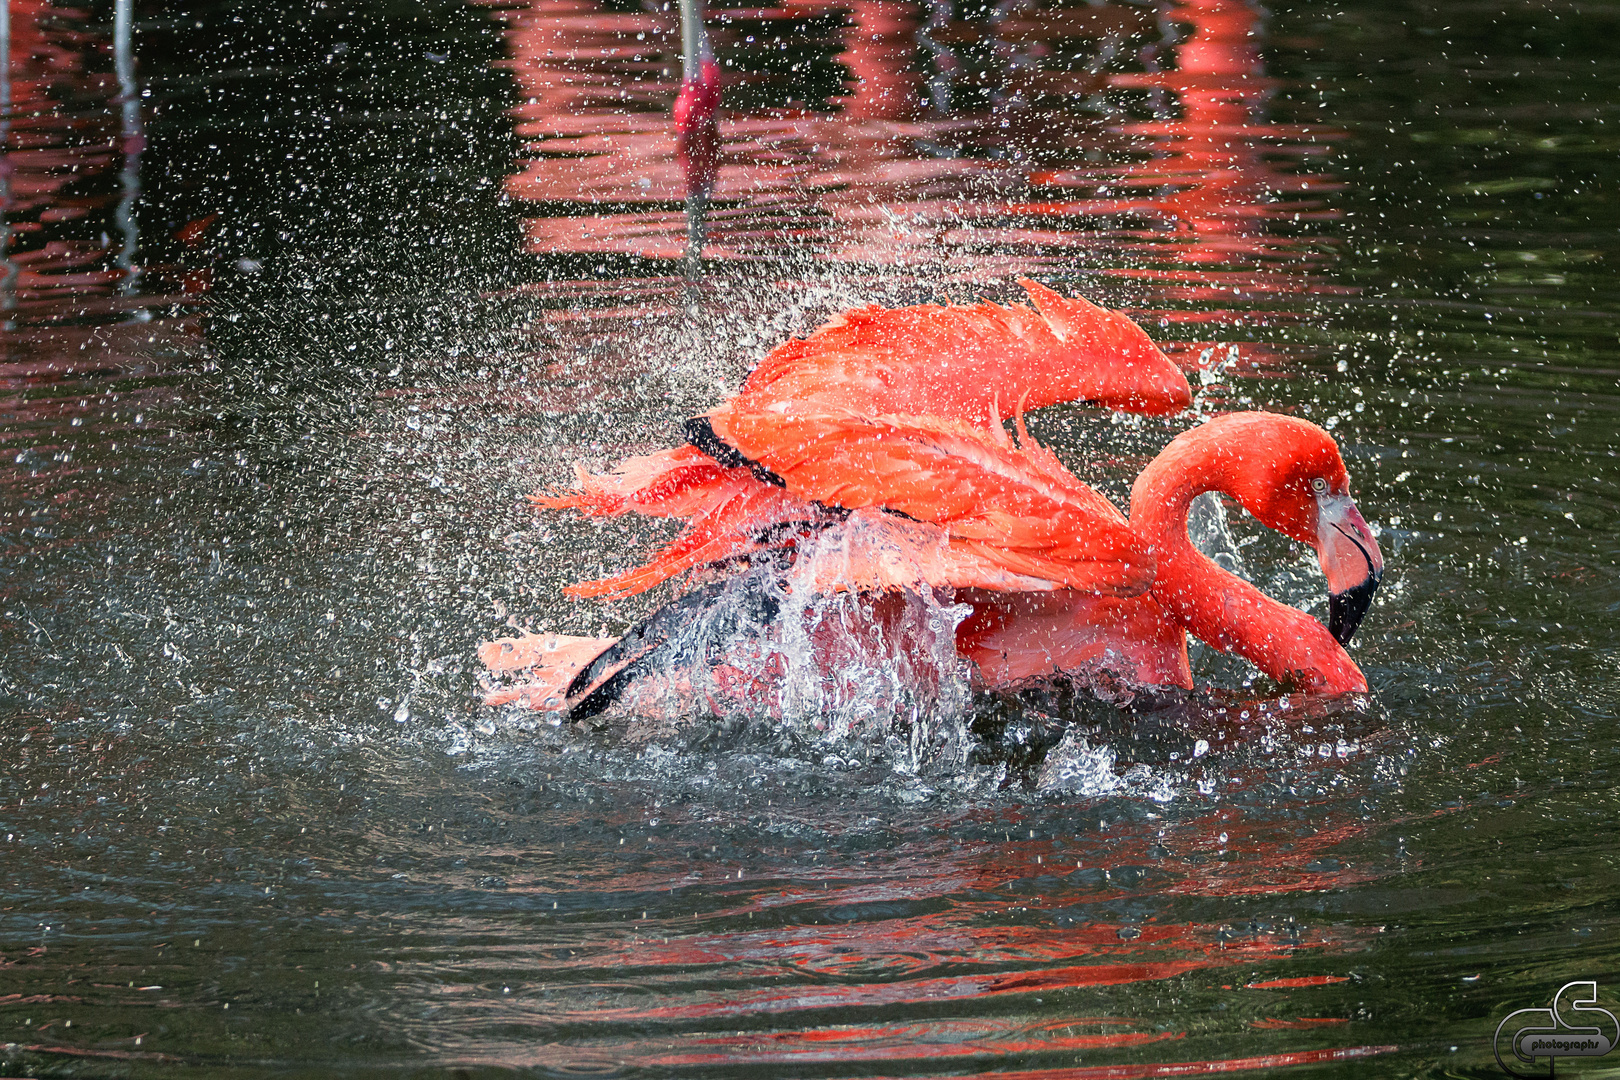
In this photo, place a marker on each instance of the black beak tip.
(1346, 609)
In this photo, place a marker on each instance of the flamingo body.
(1015, 637)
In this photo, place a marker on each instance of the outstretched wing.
(669, 483)
(743, 517)
(967, 362)
(1016, 507)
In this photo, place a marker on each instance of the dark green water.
(260, 502)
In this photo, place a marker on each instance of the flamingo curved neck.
(1214, 605)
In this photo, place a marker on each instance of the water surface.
(299, 305)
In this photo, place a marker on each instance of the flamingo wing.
(967, 362)
(743, 517)
(669, 483)
(1014, 507)
(729, 513)
(549, 661)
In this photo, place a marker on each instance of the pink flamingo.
(840, 443)
(697, 123)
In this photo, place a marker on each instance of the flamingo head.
(1288, 473)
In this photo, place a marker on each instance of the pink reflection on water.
(1203, 203)
(70, 145)
(946, 1038)
(63, 145)
(1233, 174)
(982, 979)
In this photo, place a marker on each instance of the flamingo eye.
(1319, 485)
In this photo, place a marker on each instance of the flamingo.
(806, 464)
(697, 123)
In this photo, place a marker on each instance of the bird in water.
(697, 125)
(871, 458)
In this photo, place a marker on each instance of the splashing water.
(1211, 532)
(787, 644)
(1077, 767)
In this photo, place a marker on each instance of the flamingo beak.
(1351, 560)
